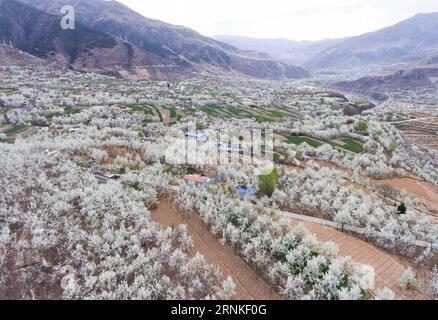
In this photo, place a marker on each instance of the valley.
(142, 160)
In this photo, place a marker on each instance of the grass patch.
(212, 112)
(15, 130)
(278, 114)
(173, 113)
(300, 140)
(70, 110)
(142, 108)
(349, 144)
(353, 145)
(401, 126)
(261, 119)
(237, 111)
(260, 115)
(360, 102)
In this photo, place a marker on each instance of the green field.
(238, 112)
(260, 115)
(214, 111)
(278, 114)
(349, 144)
(299, 140)
(157, 112)
(15, 130)
(70, 110)
(401, 126)
(173, 113)
(142, 108)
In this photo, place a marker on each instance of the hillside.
(408, 41)
(418, 75)
(11, 56)
(176, 45)
(39, 34)
(289, 51)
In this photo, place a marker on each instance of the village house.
(198, 180)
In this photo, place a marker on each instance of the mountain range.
(421, 74)
(408, 41)
(111, 38)
(407, 52)
(289, 51)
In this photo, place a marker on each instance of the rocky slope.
(418, 75)
(175, 45)
(289, 51)
(408, 41)
(12, 57)
(39, 34)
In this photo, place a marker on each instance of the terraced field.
(298, 140)
(163, 114)
(343, 144)
(260, 115)
(70, 110)
(15, 130)
(421, 128)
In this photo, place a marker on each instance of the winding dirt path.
(248, 285)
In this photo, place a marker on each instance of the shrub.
(268, 183)
(402, 209)
(408, 279)
(361, 126)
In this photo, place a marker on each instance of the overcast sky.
(291, 19)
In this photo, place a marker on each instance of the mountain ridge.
(421, 74)
(176, 45)
(289, 51)
(407, 41)
(40, 34)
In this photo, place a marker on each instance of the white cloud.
(292, 19)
